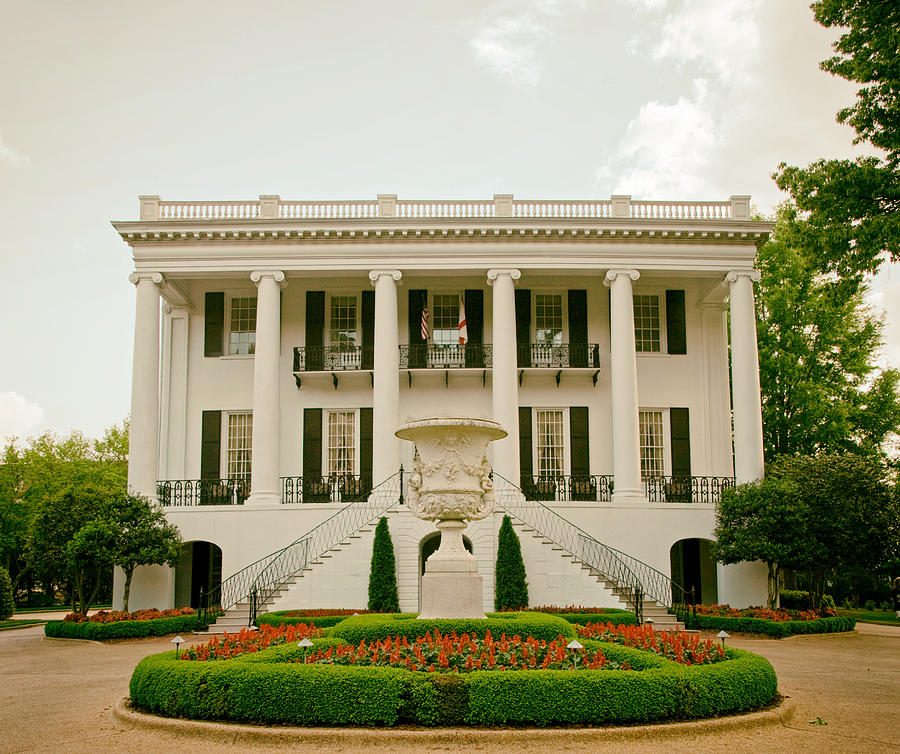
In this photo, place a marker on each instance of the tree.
(510, 587)
(143, 537)
(383, 575)
(90, 554)
(7, 606)
(852, 204)
(818, 343)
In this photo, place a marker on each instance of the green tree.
(383, 574)
(89, 555)
(818, 344)
(852, 204)
(7, 606)
(510, 587)
(143, 537)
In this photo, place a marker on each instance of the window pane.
(550, 443)
(646, 323)
(445, 319)
(242, 335)
(343, 322)
(651, 429)
(341, 442)
(239, 450)
(548, 318)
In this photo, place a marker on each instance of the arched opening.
(693, 567)
(199, 568)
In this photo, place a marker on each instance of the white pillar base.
(452, 595)
(263, 497)
(629, 497)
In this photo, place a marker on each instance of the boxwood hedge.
(624, 618)
(282, 617)
(124, 629)
(775, 629)
(265, 687)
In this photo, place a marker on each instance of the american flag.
(424, 327)
(461, 327)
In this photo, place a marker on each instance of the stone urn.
(450, 484)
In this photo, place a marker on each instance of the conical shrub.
(383, 576)
(510, 587)
(7, 606)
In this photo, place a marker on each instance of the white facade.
(289, 349)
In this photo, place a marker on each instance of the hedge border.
(266, 688)
(771, 628)
(123, 629)
(625, 618)
(280, 617)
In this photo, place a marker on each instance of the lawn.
(882, 617)
(6, 625)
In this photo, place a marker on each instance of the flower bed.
(114, 616)
(759, 620)
(247, 641)
(287, 684)
(678, 646)
(120, 625)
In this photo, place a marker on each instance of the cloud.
(18, 415)
(510, 35)
(11, 156)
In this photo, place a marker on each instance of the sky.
(103, 100)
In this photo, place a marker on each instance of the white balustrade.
(429, 208)
(208, 210)
(569, 208)
(681, 210)
(327, 210)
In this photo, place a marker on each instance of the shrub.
(510, 587)
(296, 617)
(799, 599)
(114, 616)
(383, 576)
(7, 606)
(123, 629)
(774, 629)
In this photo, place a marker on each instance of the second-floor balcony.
(336, 358)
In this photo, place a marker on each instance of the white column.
(143, 438)
(714, 385)
(265, 488)
(623, 388)
(173, 414)
(504, 385)
(745, 400)
(385, 377)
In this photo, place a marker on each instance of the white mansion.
(296, 336)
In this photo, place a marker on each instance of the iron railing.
(558, 355)
(338, 488)
(575, 488)
(634, 579)
(342, 358)
(178, 492)
(686, 489)
(446, 356)
(301, 553)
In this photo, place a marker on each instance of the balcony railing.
(338, 488)
(450, 356)
(588, 487)
(344, 358)
(558, 355)
(686, 489)
(179, 492)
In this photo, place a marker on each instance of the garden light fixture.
(723, 635)
(177, 641)
(304, 644)
(576, 645)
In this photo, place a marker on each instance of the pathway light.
(177, 641)
(304, 644)
(575, 645)
(723, 635)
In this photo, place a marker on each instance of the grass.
(7, 625)
(55, 609)
(881, 617)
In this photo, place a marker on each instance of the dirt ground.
(843, 696)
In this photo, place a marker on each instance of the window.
(652, 443)
(344, 332)
(548, 318)
(341, 456)
(445, 319)
(238, 445)
(242, 333)
(646, 324)
(549, 442)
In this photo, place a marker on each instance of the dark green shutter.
(210, 444)
(365, 445)
(523, 326)
(579, 460)
(474, 299)
(526, 468)
(315, 326)
(680, 431)
(312, 444)
(676, 330)
(578, 338)
(367, 312)
(418, 300)
(214, 324)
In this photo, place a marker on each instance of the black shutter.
(523, 326)
(578, 339)
(315, 489)
(367, 313)
(210, 442)
(365, 443)
(676, 330)
(315, 326)
(474, 299)
(526, 468)
(214, 324)
(680, 431)
(580, 463)
(418, 300)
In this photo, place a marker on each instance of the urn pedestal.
(450, 484)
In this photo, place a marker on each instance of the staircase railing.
(635, 579)
(300, 553)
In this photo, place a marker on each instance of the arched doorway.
(693, 567)
(199, 567)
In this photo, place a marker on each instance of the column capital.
(177, 309)
(153, 277)
(277, 275)
(753, 275)
(611, 275)
(712, 306)
(495, 273)
(375, 274)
